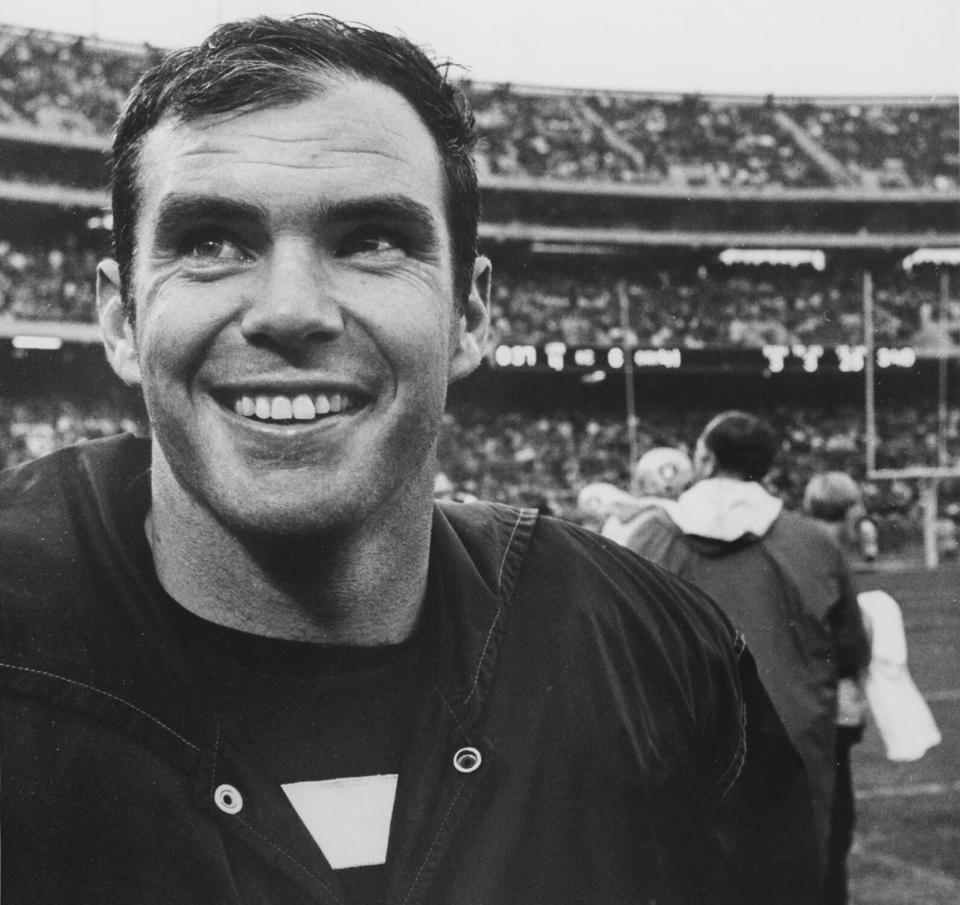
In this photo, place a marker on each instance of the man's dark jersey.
(586, 727)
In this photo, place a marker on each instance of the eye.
(371, 240)
(213, 248)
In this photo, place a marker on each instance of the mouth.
(300, 408)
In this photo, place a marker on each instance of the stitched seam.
(290, 858)
(483, 653)
(433, 844)
(506, 551)
(216, 753)
(723, 784)
(450, 711)
(106, 694)
(496, 618)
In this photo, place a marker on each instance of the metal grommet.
(228, 799)
(466, 760)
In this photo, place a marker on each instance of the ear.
(704, 461)
(115, 326)
(707, 465)
(471, 336)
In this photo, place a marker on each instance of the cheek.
(415, 334)
(429, 365)
(420, 361)
(174, 330)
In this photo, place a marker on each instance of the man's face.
(295, 322)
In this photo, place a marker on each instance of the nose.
(295, 299)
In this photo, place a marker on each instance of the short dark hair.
(742, 444)
(257, 63)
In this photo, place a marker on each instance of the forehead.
(351, 139)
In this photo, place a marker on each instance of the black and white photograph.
(491, 455)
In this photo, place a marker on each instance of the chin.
(300, 518)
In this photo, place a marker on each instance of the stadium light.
(48, 343)
(936, 256)
(791, 257)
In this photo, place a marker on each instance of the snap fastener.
(466, 760)
(228, 799)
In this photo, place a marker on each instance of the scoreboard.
(762, 360)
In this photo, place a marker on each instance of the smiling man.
(250, 660)
(294, 327)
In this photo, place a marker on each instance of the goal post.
(928, 477)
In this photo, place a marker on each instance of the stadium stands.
(64, 83)
(706, 306)
(887, 145)
(69, 84)
(52, 283)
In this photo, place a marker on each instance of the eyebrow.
(177, 210)
(394, 208)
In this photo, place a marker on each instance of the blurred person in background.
(664, 472)
(660, 475)
(782, 580)
(835, 501)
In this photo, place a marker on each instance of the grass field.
(907, 845)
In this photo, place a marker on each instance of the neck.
(361, 587)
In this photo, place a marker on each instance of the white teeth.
(303, 408)
(282, 408)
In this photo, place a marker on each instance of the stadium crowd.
(54, 283)
(706, 307)
(71, 85)
(38, 425)
(694, 140)
(888, 146)
(75, 85)
(699, 141)
(545, 136)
